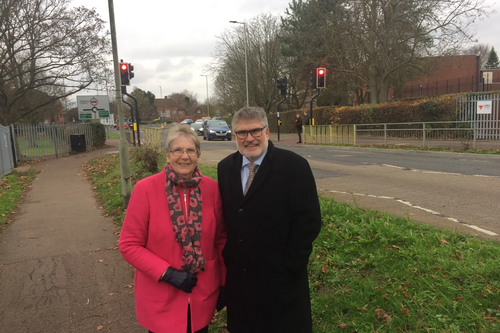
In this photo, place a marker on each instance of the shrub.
(98, 134)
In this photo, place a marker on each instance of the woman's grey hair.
(178, 130)
(249, 114)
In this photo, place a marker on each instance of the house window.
(199, 111)
(174, 112)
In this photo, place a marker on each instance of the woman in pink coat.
(173, 234)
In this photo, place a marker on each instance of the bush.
(98, 134)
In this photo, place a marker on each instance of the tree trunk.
(373, 85)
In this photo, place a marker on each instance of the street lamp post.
(208, 100)
(246, 62)
(161, 103)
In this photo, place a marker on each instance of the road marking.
(409, 204)
(437, 172)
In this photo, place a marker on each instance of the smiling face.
(183, 164)
(252, 148)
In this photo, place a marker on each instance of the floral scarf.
(187, 233)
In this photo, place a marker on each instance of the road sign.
(93, 107)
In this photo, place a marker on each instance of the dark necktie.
(251, 168)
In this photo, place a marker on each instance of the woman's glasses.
(256, 133)
(179, 151)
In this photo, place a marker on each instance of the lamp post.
(208, 100)
(161, 103)
(246, 63)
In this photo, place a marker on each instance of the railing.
(152, 138)
(330, 134)
(37, 141)
(474, 134)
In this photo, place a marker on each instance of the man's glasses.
(179, 151)
(256, 133)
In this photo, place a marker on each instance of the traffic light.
(320, 78)
(282, 81)
(125, 74)
(314, 78)
(130, 71)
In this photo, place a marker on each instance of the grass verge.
(374, 272)
(12, 189)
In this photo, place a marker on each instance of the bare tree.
(482, 50)
(45, 44)
(264, 63)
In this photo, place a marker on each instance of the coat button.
(240, 240)
(241, 210)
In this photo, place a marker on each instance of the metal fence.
(459, 134)
(487, 125)
(38, 141)
(6, 154)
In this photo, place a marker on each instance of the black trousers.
(203, 330)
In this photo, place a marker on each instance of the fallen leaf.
(111, 294)
(488, 319)
(443, 241)
(100, 327)
(405, 311)
(362, 309)
(100, 260)
(341, 325)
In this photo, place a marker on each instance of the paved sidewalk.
(60, 269)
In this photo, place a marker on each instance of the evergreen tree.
(492, 62)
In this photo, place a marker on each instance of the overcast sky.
(170, 43)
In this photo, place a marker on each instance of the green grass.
(12, 189)
(373, 272)
(113, 135)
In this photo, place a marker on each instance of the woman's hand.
(180, 279)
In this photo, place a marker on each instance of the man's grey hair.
(178, 130)
(249, 113)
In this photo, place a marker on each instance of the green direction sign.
(103, 114)
(85, 115)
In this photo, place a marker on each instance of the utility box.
(78, 143)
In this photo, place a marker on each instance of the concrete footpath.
(60, 268)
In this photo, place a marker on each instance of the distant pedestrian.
(298, 126)
(173, 234)
(306, 118)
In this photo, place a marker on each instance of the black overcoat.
(269, 239)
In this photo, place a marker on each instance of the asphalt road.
(447, 190)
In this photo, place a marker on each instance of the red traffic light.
(321, 71)
(124, 67)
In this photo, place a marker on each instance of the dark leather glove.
(182, 280)
(221, 301)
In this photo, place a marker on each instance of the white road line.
(437, 172)
(407, 203)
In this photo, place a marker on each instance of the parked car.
(187, 121)
(197, 128)
(216, 129)
(199, 121)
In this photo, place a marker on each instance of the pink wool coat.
(148, 243)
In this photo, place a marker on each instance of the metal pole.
(136, 118)
(124, 91)
(161, 103)
(123, 146)
(318, 91)
(246, 62)
(246, 51)
(208, 100)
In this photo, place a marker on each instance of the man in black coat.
(270, 231)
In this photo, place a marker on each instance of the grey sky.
(170, 42)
